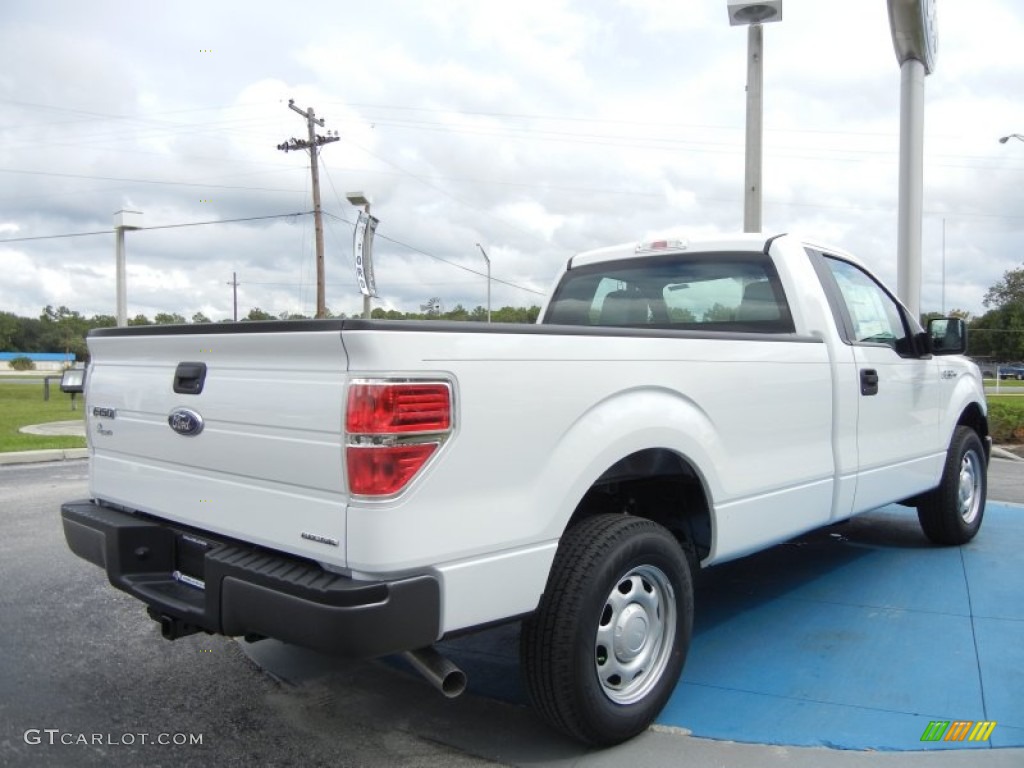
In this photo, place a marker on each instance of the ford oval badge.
(185, 422)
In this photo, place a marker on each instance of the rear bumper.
(250, 591)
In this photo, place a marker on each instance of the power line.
(143, 181)
(444, 191)
(159, 226)
(446, 261)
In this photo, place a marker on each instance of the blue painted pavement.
(856, 636)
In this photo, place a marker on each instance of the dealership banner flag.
(362, 248)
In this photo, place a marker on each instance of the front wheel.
(603, 652)
(952, 513)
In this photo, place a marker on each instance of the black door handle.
(189, 378)
(868, 381)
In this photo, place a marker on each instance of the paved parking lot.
(854, 637)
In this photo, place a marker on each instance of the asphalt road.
(83, 665)
(86, 679)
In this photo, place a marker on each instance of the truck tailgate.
(251, 444)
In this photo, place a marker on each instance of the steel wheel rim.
(969, 488)
(635, 634)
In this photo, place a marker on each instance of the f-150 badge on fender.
(185, 422)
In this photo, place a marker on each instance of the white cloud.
(538, 128)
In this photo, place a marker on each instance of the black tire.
(610, 571)
(952, 513)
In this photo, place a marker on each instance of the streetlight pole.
(753, 15)
(1005, 139)
(488, 260)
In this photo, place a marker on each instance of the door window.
(874, 316)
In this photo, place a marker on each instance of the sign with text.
(362, 248)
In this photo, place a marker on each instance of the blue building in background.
(45, 361)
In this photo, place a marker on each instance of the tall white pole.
(943, 266)
(915, 41)
(122, 290)
(755, 129)
(911, 188)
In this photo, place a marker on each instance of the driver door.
(899, 390)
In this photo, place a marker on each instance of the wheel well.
(973, 417)
(659, 485)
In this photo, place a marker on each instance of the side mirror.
(947, 336)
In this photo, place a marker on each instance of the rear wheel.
(604, 649)
(952, 513)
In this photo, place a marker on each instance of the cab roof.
(672, 244)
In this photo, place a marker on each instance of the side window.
(874, 316)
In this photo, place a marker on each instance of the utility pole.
(234, 295)
(311, 144)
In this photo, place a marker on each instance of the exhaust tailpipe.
(439, 671)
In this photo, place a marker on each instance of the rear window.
(709, 292)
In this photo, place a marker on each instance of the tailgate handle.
(189, 378)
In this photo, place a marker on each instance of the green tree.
(9, 327)
(999, 333)
(1009, 290)
(29, 336)
(199, 317)
(63, 330)
(102, 321)
(516, 314)
(139, 319)
(258, 314)
(168, 318)
(458, 312)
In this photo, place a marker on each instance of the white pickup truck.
(368, 488)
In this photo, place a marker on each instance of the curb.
(51, 454)
(1002, 453)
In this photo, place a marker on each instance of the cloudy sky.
(538, 128)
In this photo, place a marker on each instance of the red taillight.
(393, 428)
(382, 471)
(397, 408)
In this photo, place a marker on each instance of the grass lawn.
(21, 404)
(1010, 384)
(1006, 418)
(1008, 403)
